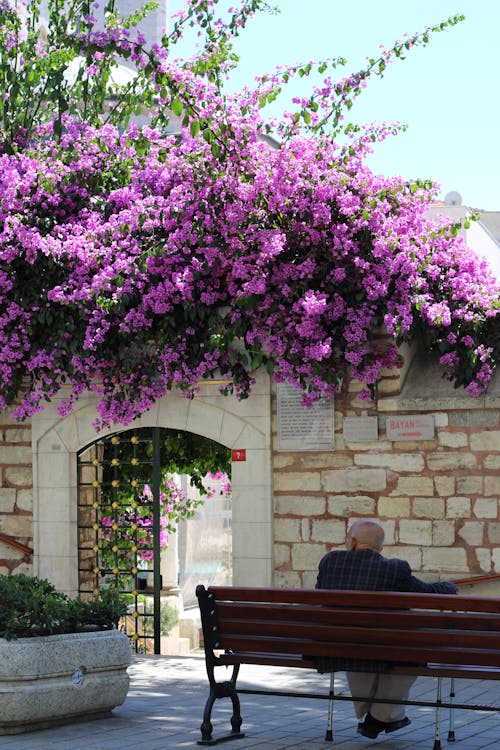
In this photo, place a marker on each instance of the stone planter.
(59, 679)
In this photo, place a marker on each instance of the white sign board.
(360, 429)
(410, 427)
(302, 428)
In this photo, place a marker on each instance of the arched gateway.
(238, 425)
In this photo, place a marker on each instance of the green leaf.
(194, 128)
(256, 361)
(176, 107)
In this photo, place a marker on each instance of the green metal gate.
(119, 527)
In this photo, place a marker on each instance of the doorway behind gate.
(150, 531)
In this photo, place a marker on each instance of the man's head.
(366, 534)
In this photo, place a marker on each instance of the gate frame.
(235, 424)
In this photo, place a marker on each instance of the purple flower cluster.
(134, 262)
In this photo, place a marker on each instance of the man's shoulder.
(364, 560)
(335, 555)
(362, 557)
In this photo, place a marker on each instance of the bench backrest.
(394, 627)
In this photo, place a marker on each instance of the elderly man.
(361, 566)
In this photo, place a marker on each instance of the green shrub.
(31, 606)
(169, 617)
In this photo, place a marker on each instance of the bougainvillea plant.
(134, 261)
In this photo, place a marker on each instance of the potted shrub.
(61, 659)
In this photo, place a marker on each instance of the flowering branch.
(133, 262)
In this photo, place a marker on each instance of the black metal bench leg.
(437, 740)
(222, 690)
(206, 726)
(329, 725)
(236, 719)
(451, 730)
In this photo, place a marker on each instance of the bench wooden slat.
(346, 616)
(406, 653)
(270, 660)
(353, 634)
(463, 671)
(329, 597)
(457, 671)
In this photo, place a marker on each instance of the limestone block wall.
(16, 494)
(438, 499)
(38, 479)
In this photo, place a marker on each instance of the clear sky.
(448, 93)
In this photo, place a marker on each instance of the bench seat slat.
(273, 660)
(406, 653)
(464, 671)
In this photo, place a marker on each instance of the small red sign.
(239, 455)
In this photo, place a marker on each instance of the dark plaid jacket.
(366, 570)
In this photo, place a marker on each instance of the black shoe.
(393, 726)
(372, 727)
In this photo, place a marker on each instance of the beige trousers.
(373, 685)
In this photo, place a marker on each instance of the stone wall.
(438, 499)
(16, 494)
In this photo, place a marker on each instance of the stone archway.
(235, 424)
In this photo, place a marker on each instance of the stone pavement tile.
(164, 709)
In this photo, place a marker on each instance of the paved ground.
(165, 703)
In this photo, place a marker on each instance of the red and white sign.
(410, 427)
(239, 454)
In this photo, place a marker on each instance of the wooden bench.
(419, 634)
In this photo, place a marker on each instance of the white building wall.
(155, 23)
(153, 26)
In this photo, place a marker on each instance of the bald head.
(366, 534)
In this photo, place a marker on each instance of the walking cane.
(451, 731)
(329, 733)
(437, 741)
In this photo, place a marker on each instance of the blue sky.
(447, 93)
